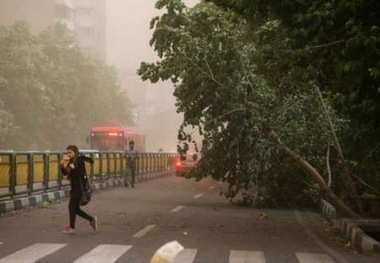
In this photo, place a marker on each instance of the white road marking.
(176, 209)
(103, 254)
(143, 231)
(240, 256)
(32, 253)
(313, 258)
(197, 196)
(186, 256)
(211, 187)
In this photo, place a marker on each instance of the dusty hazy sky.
(127, 41)
(128, 32)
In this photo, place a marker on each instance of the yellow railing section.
(22, 170)
(5, 168)
(17, 167)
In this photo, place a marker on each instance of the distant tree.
(52, 91)
(22, 91)
(9, 131)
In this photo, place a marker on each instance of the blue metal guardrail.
(28, 172)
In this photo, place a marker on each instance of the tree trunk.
(346, 173)
(326, 191)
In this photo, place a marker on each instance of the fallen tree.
(229, 93)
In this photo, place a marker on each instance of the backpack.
(85, 183)
(86, 191)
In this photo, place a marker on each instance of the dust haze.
(127, 36)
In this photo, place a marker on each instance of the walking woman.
(76, 172)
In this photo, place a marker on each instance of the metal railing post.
(108, 165)
(115, 158)
(160, 160)
(121, 164)
(12, 174)
(46, 171)
(149, 163)
(59, 181)
(92, 155)
(145, 163)
(155, 163)
(30, 184)
(100, 165)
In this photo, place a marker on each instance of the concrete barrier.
(352, 229)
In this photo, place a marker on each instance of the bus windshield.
(114, 138)
(107, 141)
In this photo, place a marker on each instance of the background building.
(86, 18)
(90, 26)
(65, 13)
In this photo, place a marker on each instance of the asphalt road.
(134, 223)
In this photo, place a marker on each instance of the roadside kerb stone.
(33, 200)
(349, 227)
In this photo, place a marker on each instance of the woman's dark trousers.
(74, 207)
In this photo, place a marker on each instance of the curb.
(22, 202)
(359, 239)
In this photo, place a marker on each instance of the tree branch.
(203, 71)
(209, 69)
(328, 166)
(325, 45)
(366, 185)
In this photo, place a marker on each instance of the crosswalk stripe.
(240, 256)
(103, 254)
(107, 253)
(176, 209)
(197, 196)
(313, 258)
(143, 231)
(32, 253)
(186, 256)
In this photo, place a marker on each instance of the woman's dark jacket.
(76, 175)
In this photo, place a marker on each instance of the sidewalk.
(36, 199)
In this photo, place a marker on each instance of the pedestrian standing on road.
(132, 156)
(75, 171)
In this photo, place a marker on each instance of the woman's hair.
(74, 149)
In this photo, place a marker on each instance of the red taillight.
(178, 164)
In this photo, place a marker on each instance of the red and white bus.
(115, 139)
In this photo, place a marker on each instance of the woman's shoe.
(94, 224)
(69, 230)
